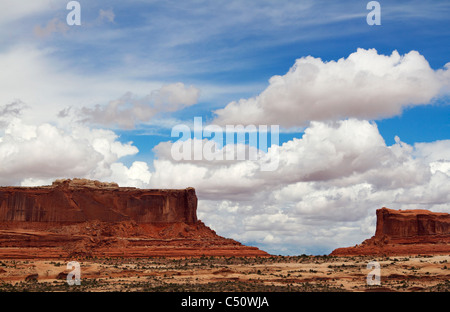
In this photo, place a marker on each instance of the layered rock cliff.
(405, 232)
(411, 223)
(82, 200)
(80, 217)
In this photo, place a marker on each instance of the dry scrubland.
(218, 274)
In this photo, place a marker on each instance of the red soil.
(125, 239)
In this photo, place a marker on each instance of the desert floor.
(221, 274)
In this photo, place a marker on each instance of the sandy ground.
(213, 274)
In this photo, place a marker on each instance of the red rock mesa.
(82, 200)
(405, 232)
(92, 218)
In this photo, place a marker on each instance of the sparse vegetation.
(244, 274)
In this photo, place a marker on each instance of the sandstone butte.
(405, 232)
(90, 218)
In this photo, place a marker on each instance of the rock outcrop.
(82, 200)
(84, 217)
(405, 232)
(411, 223)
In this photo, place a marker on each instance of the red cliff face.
(411, 223)
(80, 217)
(83, 200)
(405, 232)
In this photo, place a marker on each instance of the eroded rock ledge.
(79, 217)
(81, 200)
(405, 232)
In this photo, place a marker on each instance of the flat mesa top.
(413, 212)
(86, 183)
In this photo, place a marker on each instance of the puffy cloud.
(364, 85)
(324, 193)
(434, 151)
(32, 154)
(340, 150)
(49, 85)
(172, 97)
(138, 175)
(128, 110)
(224, 178)
(10, 110)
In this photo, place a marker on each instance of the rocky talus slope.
(90, 218)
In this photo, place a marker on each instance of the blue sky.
(425, 34)
(100, 100)
(245, 54)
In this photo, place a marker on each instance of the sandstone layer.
(82, 200)
(405, 232)
(90, 218)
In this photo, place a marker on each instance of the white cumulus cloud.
(324, 192)
(129, 110)
(33, 154)
(365, 85)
